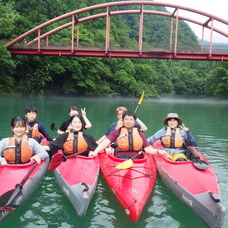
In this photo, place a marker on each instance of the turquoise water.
(48, 207)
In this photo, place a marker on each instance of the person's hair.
(80, 118)
(129, 113)
(121, 108)
(73, 108)
(18, 120)
(30, 109)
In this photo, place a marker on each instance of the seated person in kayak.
(36, 130)
(174, 138)
(73, 110)
(74, 141)
(19, 149)
(117, 125)
(128, 140)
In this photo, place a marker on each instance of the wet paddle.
(128, 163)
(140, 101)
(58, 158)
(8, 197)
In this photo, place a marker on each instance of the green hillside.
(102, 76)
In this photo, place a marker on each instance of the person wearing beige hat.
(174, 137)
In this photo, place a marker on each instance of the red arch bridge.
(38, 41)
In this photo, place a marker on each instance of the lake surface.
(49, 208)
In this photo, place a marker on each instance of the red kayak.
(132, 186)
(77, 177)
(195, 183)
(18, 181)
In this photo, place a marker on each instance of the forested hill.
(102, 76)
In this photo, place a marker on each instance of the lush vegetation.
(101, 76)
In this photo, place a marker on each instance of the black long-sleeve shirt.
(58, 143)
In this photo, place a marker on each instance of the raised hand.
(185, 129)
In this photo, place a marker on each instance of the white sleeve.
(2, 148)
(38, 149)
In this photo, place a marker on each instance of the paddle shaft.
(56, 161)
(135, 156)
(137, 108)
(72, 155)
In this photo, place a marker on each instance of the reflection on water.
(48, 207)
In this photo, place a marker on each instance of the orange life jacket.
(18, 152)
(75, 143)
(33, 132)
(172, 139)
(129, 140)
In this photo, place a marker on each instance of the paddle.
(58, 158)
(8, 197)
(140, 101)
(196, 161)
(53, 127)
(128, 163)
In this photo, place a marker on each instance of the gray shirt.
(187, 136)
(36, 147)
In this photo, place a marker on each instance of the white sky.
(218, 8)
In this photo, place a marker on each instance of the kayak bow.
(133, 186)
(77, 177)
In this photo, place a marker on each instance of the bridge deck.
(158, 53)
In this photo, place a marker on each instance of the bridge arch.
(110, 10)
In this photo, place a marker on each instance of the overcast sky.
(218, 8)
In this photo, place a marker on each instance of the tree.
(217, 82)
(8, 18)
(101, 76)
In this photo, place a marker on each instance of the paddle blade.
(200, 164)
(140, 102)
(141, 98)
(5, 197)
(56, 160)
(53, 128)
(126, 164)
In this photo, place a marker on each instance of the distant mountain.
(220, 47)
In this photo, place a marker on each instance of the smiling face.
(31, 116)
(18, 130)
(76, 124)
(129, 122)
(172, 123)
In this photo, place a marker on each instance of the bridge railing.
(146, 47)
(42, 36)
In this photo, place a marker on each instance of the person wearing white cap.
(174, 138)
